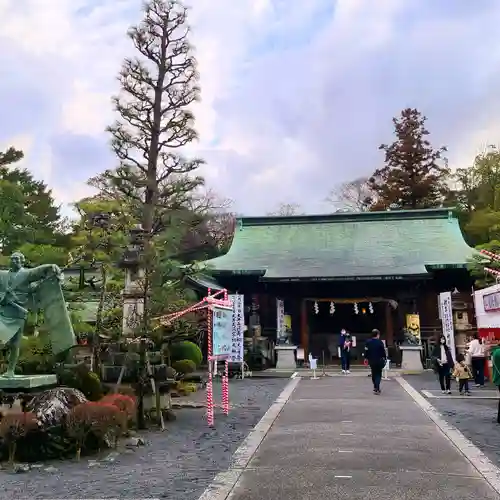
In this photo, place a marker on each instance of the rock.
(20, 468)
(111, 457)
(50, 469)
(36, 466)
(52, 405)
(168, 415)
(94, 463)
(134, 442)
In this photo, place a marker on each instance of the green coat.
(495, 360)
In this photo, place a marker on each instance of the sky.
(296, 95)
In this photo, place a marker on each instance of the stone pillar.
(133, 292)
(133, 300)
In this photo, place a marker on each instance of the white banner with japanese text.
(280, 319)
(445, 306)
(238, 328)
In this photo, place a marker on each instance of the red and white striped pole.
(225, 389)
(210, 387)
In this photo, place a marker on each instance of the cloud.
(297, 95)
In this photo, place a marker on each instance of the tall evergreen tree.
(415, 175)
(155, 123)
(28, 213)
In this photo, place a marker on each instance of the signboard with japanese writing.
(238, 328)
(491, 302)
(222, 322)
(280, 319)
(445, 306)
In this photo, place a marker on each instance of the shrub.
(124, 403)
(91, 417)
(14, 426)
(81, 378)
(126, 390)
(184, 366)
(186, 350)
(35, 356)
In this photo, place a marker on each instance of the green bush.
(35, 356)
(186, 350)
(81, 378)
(184, 366)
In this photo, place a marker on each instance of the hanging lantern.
(356, 308)
(316, 308)
(363, 310)
(370, 308)
(332, 308)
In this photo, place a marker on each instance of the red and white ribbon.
(489, 254)
(494, 272)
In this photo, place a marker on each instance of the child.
(462, 373)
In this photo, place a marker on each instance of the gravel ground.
(474, 418)
(177, 464)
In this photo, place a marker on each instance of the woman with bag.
(477, 353)
(443, 364)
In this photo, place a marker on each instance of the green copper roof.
(345, 245)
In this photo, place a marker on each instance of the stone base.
(286, 357)
(411, 358)
(27, 383)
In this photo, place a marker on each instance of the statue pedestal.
(411, 358)
(28, 383)
(286, 357)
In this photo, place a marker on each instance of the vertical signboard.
(222, 321)
(280, 319)
(238, 328)
(445, 306)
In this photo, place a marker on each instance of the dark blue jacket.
(375, 352)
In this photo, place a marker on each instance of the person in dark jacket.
(345, 351)
(377, 358)
(442, 360)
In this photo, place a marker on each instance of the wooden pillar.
(389, 326)
(304, 331)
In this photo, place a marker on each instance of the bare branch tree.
(287, 210)
(354, 196)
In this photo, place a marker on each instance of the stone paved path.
(475, 417)
(337, 440)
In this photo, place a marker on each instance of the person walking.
(462, 373)
(345, 351)
(495, 361)
(443, 363)
(477, 353)
(376, 355)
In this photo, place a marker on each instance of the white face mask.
(442, 342)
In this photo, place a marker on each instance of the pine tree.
(155, 123)
(415, 174)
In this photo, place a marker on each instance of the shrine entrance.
(326, 318)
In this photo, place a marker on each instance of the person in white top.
(477, 353)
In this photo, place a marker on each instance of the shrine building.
(356, 271)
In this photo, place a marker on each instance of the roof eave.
(438, 267)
